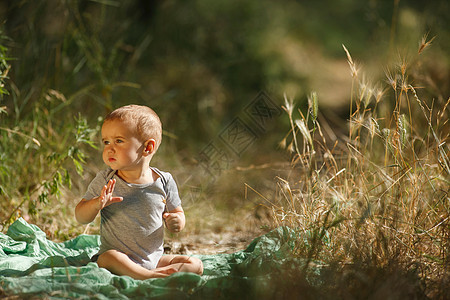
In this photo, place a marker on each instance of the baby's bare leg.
(120, 264)
(181, 263)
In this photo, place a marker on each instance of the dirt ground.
(211, 243)
(228, 237)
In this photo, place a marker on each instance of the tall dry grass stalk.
(381, 197)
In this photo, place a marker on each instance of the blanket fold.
(30, 264)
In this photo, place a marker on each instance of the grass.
(374, 205)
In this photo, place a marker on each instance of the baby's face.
(122, 149)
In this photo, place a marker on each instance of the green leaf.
(79, 167)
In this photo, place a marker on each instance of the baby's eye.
(105, 143)
(118, 141)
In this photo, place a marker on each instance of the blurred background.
(211, 69)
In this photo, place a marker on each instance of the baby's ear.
(150, 147)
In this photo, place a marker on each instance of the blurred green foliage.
(199, 62)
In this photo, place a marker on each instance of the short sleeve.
(95, 187)
(173, 199)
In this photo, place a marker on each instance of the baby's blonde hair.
(146, 121)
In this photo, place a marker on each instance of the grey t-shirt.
(135, 225)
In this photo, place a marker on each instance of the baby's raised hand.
(106, 198)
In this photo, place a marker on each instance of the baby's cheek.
(105, 159)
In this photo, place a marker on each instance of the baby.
(134, 199)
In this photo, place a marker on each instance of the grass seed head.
(288, 105)
(353, 68)
(424, 43)
(379, 92)
(391, 79)
(313, 105)
(304, 130)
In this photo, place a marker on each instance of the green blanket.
(31, 265)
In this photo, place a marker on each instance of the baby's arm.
(175, 219)
(87, 210)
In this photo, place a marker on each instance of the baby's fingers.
(110, 186)
(106, 197)
(101, 198)
(171, 217)
(103, 192)
(114, 200)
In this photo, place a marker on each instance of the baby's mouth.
(111, 159)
